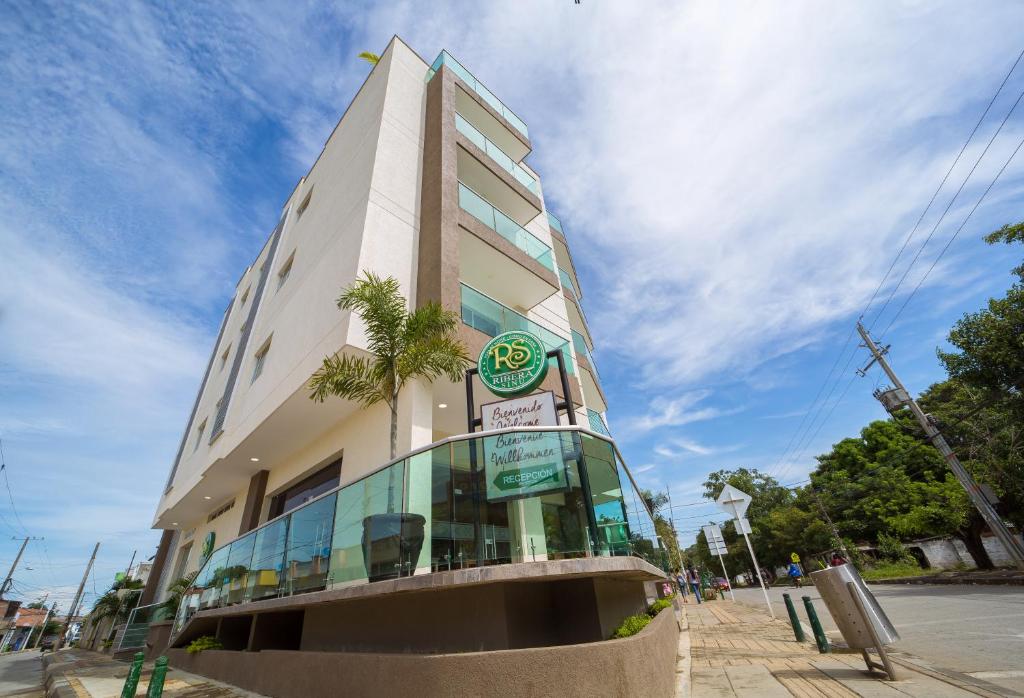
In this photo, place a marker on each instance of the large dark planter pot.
(391, 545)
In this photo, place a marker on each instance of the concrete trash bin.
(831, 583)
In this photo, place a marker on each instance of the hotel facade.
(306, 541)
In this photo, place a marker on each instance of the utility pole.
(5, 587)
(672, 523)
(43, 628)
(78, 597)
(897, 397)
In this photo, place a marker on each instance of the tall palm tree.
(403, 346)
(371, 58)
(116, 606)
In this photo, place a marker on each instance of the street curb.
(966, 581)
(966, 683)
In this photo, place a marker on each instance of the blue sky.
(734, 179)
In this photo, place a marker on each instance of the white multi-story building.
(272, 495)
(437, 196)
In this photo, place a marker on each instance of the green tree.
(403, 346)
(657, 503)
(766, 495)
(990, 342)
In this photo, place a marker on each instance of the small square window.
(261, 359)
(245, 295)
(199, 436)
(286, 269)
(224, 357)
(304, 205)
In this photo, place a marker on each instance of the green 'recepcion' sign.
(513, 363)
(523, 464)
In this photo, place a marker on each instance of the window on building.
(286, 269)
(324, 480)
(224, 357)
(261, 359)
(245, 295)
(199, 436)
(304, 205)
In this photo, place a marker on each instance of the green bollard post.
(794, 619)
(819, 633)
(156, 682)
(131, 683)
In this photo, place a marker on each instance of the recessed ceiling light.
(255, 460)
(205, 497)
(174, 523)
(442, 405)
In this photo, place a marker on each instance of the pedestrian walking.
(683, 586)
(694, 578)
(837, 559)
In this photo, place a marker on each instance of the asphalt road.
(21, 674)
(974, 630)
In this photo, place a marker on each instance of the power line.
(955, 234)
(815, 409)
(937, 190)
(7, 482)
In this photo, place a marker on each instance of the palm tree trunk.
(394, 450)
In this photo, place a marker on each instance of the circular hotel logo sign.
(513, 363)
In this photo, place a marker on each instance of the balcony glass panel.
(236, 570)
(445, 58)
(479, 208)
(555, 223)
(266, 570)
(517, 497)
(360, 506)
(596, 422)
(567, 282)
(497, 154)
(310, 529)
(492, 318)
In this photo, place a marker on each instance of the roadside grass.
(894, 570)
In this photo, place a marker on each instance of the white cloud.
(672, 412)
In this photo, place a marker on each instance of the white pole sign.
(735, 502)
(716, 543)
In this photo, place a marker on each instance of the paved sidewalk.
(78, 673)
(738, 651)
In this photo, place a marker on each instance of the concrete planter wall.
(642, 665)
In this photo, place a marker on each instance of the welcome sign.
(522, 464)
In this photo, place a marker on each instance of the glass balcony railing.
(555, 223)
(445, 58)
(450, 506)
(567, 283)
(478, 207)
(497, 154)
(596, 422)
(492, 318)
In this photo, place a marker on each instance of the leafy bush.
(659, 605)
(631, 626)
(206, 642)
(894, 570)
(890, 548)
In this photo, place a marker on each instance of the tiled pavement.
(738, 651)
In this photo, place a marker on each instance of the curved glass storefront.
(508, 496)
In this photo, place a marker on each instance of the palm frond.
(371, 58)
(349, 377)
(433, 357)
(380, 304)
